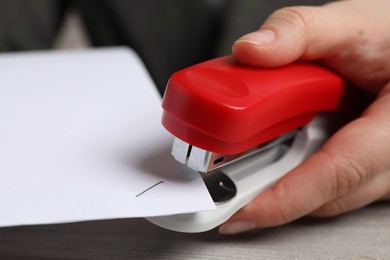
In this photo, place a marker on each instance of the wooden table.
(363, 234)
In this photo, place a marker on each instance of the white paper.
(81, 137)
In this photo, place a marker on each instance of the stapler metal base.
(250, 176)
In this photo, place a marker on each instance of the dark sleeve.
(29, 24)
(168, 35)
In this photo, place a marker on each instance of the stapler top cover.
(226, 107)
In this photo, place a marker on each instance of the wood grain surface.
(363, 234)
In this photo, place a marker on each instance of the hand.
(353, 168)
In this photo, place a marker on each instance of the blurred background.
(168, 35)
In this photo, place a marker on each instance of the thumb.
(292, 33)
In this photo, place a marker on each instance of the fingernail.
(235, 227)
(258, 37)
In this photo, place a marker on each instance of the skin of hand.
(352, 169)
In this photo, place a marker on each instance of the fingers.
(336, 33)
(282, 39)
(292, 33)
(340, 172)
(358, 198)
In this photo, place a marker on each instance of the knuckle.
(296, 17)
(273, 217)
(347, 173)
(270, 211)
(285, 210)
(348, 178)
(284, 215)
(330, 209)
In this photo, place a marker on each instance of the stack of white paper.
(81, 139)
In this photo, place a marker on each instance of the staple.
(142, 192)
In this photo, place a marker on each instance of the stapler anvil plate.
(243, 128)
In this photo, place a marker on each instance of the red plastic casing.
(226, 107)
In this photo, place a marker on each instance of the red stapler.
(245, 127)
